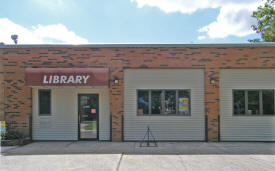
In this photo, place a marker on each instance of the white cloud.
(39, 34)
(232, 20)
(183, 6)
(188, 6)
(201, 37)
(234, 17)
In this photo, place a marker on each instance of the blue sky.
(127, 21)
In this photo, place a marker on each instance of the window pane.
(184, 102)
(143, 102)
(239, 102)
(44, 102)
(268, 102)
(170, 102)
(253, 102)
(156, 102)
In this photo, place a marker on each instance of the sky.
(127, 21)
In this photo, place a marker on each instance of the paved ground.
(85, 155)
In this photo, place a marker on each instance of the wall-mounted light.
(212, 80)
(116, 80)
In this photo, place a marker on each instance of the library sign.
(66, 76)
(63, 79)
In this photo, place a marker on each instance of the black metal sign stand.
(146, 139)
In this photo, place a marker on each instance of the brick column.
(212, 102)
(18, 101)
(2, 89)
(116, 104)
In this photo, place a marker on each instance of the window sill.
(44, 115)
(238, 115)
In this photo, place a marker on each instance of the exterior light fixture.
(212, 80)
(116, 80)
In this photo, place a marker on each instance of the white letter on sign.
(50, 79)
(45, 80)
(55, 79)
(78, 79)
(86, 78)
(63, 79)
(71, 79)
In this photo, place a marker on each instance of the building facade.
(183, 92)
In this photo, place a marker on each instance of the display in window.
(140, 111)
(183, 105)
(239, 102)
(163, 102)
(184, 102)
(143, 102)
(156, 102)
(170, 102)
(253, 103)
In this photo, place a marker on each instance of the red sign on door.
(93, 111)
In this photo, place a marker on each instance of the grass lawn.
(91, 126)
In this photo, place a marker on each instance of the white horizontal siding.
(245, 128)
(63, 122)
(164, 127)
(104, 115)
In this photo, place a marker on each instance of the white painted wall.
(245, 128)
(164, 127)
(63, 122)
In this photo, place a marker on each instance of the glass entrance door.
(88, 116)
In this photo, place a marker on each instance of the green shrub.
(3, 135)
(11, 135)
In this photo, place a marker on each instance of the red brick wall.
(1, 92)
(17, 101)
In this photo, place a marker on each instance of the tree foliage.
(265, 16)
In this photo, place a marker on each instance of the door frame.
(78, 117)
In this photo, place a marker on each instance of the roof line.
(263, 44)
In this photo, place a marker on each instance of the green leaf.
(265, 16)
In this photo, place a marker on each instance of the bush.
(3, 134)
(11, 135)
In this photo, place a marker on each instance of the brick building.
(183, 92)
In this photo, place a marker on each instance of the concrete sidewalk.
(4, 149)
(97, 147)
(86, 155)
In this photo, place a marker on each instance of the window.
(163, 102)
(44, 102)
(239, 102)
(143, 102)
(253, 102)
(156, 106)
(268, 102)
(170, 102)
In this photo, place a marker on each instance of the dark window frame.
(46, 114)
(163, 102)
(246, 102)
